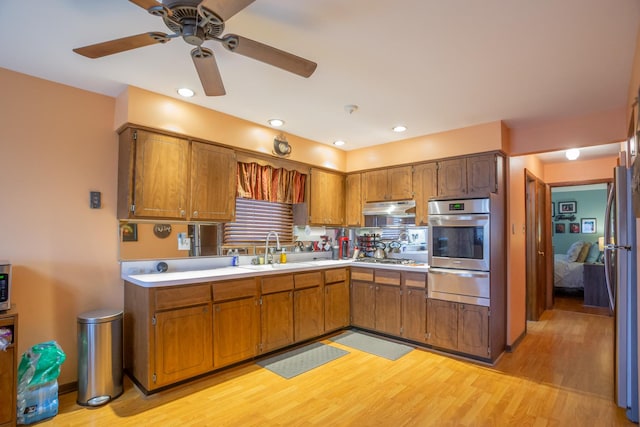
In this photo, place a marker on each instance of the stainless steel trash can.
(99, 356)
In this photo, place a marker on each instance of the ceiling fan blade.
(120, 45)
(208, 71)
(269, 55)
(224, 9)
(153, 7)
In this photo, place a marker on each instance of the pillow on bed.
(574, 251)
(594, 253)
(584, 252)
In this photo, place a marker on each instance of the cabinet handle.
(195, 213)
(205, 309)
(182, 212)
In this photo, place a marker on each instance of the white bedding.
(567, 274)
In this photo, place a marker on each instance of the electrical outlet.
(95, 201)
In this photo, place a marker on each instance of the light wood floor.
(560, 375)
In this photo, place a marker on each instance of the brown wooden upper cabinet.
(425, 186)
(353, 201)
(326, 194)
(162, 176)
(473, 176)
(387, 184)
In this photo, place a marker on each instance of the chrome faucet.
(405, 233)
(266, 247)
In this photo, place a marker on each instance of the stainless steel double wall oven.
(459, 251)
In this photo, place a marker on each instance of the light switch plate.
(95, 199)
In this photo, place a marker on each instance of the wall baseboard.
(512, 347)
(68, 387)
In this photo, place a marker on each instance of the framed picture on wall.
(559, 228)
(574, 227)
(589, 225)
(567, 207)
(129, 232)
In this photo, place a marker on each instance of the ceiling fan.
(197, 21)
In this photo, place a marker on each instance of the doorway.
(539, 295)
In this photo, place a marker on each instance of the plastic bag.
(40, 364)
(38, 372)
(6, 338)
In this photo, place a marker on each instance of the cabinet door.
(236, 333)
(276, 315)
(7, 386)
(388, 309)
(452, 177)
(473, 330)
(425, 186)
(336, 306)
(363, 304)
(161, 169)
(414, 314)
(213, 182)
(481, 175)
(442, 323)
(183, 343)
(374, 186)
(353, 200)
(308, 313)
(327, 198)
(399, 183)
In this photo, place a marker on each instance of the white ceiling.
(432, 65)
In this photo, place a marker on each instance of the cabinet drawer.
(234, 289)
(182, 296)
(365, 274)
(415, 280)
(388, 277)
(277, 284)
(307, 280)
(335, 275)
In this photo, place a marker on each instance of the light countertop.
(173, 278)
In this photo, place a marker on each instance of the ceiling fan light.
(339, 143)
(186, 92)
(572, 153)
(399, 128)
(276, 123)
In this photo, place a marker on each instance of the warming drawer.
(464, 286)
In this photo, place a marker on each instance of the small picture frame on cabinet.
(129, 232)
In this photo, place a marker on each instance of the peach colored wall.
(593, 129)
(161, 112)
(576, 171)
(516, 244)
(473, 139)
(58, 144)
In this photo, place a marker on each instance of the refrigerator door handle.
(608, 247)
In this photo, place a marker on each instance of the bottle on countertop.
(283, 256)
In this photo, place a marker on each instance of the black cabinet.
(595, 287)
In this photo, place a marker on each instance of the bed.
(567, 274)
(568, 268)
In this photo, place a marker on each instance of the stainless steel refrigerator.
(622, 286)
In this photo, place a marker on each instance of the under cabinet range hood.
(389, 214)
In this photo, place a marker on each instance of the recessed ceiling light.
(399, 128)
(276, 122)
(339, 142)
(572, 153)
(186, 92)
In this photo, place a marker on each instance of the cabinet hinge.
(488, 351)
(132, 208)
(401, 330)
(153, 320)
(135, 135)
(153, 377)
(260, 301)
(427, 335)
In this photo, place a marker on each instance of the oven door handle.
(464, 273)
(458, 220)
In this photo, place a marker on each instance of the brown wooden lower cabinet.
(459, 327)
(336, 299)
(236, 334)
(377, 302)
(414, 314)
(308, 313)
(8, 371)
(183, 343)
(363, 299)
(276, 321)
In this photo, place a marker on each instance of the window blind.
(255, 218)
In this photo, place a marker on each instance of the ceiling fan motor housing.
(187, 22)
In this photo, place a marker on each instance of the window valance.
(271, 184)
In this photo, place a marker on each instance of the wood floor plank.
(560, 374)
